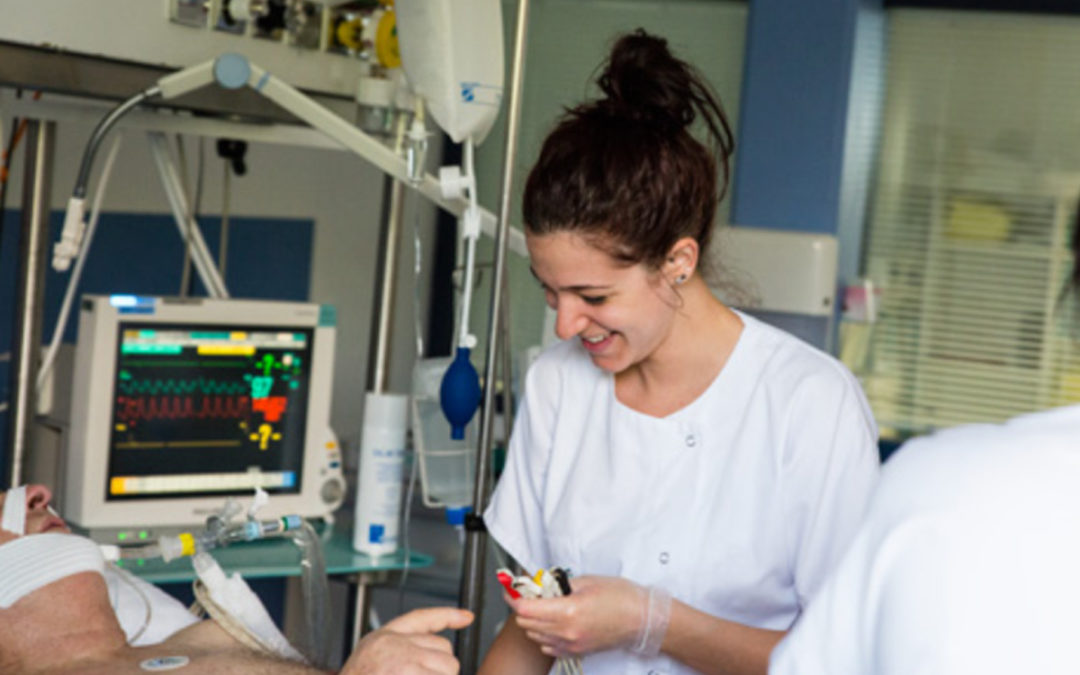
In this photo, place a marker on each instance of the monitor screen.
(178, 404)
(210, 409)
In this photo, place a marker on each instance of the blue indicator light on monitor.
(133, 304)
(288, 479)
(123, 300)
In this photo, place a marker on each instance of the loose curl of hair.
(624, 170)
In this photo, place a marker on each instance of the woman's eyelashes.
(552, 297)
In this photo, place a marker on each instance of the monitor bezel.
(83, 501)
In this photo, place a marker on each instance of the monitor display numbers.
(208, 411)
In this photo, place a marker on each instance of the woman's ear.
(681, 261)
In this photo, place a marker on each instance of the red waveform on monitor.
(270, 406)
(134, 408)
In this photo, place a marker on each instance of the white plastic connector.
(452, 182)
(65, 250)
(417, 130)
(111, 552)
(416, 150)
(470, 223)
(170, 548)
(229, 509)
(260, 500)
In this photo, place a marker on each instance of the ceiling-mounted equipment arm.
(234, 71)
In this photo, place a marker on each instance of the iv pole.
(472, 585)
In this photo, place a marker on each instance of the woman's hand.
(600, 613)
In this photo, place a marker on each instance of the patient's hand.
(408, 645)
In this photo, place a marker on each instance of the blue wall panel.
(793, 113)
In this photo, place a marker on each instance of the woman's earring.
(680, 279)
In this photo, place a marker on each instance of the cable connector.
(65, 250)
(470, 223)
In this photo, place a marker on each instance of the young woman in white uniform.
(698, 471)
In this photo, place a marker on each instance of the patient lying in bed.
(56, 617)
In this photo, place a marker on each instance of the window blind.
(970, 224)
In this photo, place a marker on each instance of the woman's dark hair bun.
(643, 81)
(626, 169)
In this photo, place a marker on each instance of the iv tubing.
(76, 274)
(316, 593)
(470, 246)
(98, 135)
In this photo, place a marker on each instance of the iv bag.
(452, 54)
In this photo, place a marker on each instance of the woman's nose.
(37, 496)
(568, 321)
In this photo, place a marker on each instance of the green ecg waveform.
(179, 387)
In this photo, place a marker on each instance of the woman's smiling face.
(621, 313)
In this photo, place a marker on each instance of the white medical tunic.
(738, 504)
(968, 562)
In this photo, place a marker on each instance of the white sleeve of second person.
(845, 630)
(831, 467)
(515, 515)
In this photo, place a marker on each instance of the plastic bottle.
(382, 462)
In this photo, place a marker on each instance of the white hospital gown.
(968, 562)
(738, 504)
(134, 600)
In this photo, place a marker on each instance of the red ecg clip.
(507, 581)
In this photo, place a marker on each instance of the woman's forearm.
(513, 653)
(716, 646)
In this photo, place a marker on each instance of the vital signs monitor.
(177, 404)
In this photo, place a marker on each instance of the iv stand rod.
(472, 586)
(30, 295)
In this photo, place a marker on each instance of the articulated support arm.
(233, 71)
